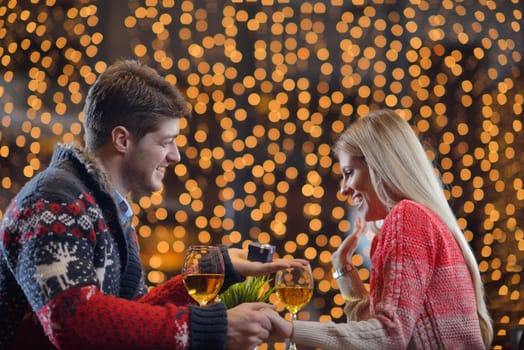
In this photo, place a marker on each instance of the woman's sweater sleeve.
(355, 295)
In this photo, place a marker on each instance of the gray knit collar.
(91, 163)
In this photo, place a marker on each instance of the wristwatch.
(342, 271)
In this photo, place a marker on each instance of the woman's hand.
(255, 268)
(342, 256)
(281, 329)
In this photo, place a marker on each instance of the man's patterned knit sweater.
(70, 273)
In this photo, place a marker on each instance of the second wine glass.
(294, 287)
(203, 272)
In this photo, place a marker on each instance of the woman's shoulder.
(413, 217)
(410, 207)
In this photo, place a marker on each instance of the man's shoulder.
(53, 183)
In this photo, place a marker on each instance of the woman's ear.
(121, 138)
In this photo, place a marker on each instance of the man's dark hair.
(132, 95)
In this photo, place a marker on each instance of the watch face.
(342, 271)
(339, 273)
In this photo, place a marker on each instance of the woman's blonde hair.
(399, 168)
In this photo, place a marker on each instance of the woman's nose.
(345, 189)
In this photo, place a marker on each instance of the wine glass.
(294, 287)
(203, 272)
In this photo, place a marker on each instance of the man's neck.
(111, 163)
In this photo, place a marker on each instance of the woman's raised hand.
(342, 256)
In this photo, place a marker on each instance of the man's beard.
(134, 179)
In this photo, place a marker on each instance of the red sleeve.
(172, 291)
(84, 318)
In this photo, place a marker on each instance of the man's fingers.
(256, 306)
(288, 263)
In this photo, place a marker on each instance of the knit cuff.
(208, 327)
(309, 333)
(231, 275)
(351, 286)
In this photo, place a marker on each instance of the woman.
(425, 286)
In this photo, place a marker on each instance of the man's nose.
(173, 156)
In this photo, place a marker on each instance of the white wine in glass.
(203, 272)
(294, 287)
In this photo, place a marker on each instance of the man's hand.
(254, 268)
(248, 326)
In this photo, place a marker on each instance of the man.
(70, 270)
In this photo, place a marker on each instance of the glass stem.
(292, 345)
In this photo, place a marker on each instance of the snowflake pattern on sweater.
(67, 241)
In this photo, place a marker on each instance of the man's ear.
(121, 138)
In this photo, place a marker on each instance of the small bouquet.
(253, 289)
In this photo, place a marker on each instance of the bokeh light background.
(271, 84)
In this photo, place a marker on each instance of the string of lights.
(271, 83)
